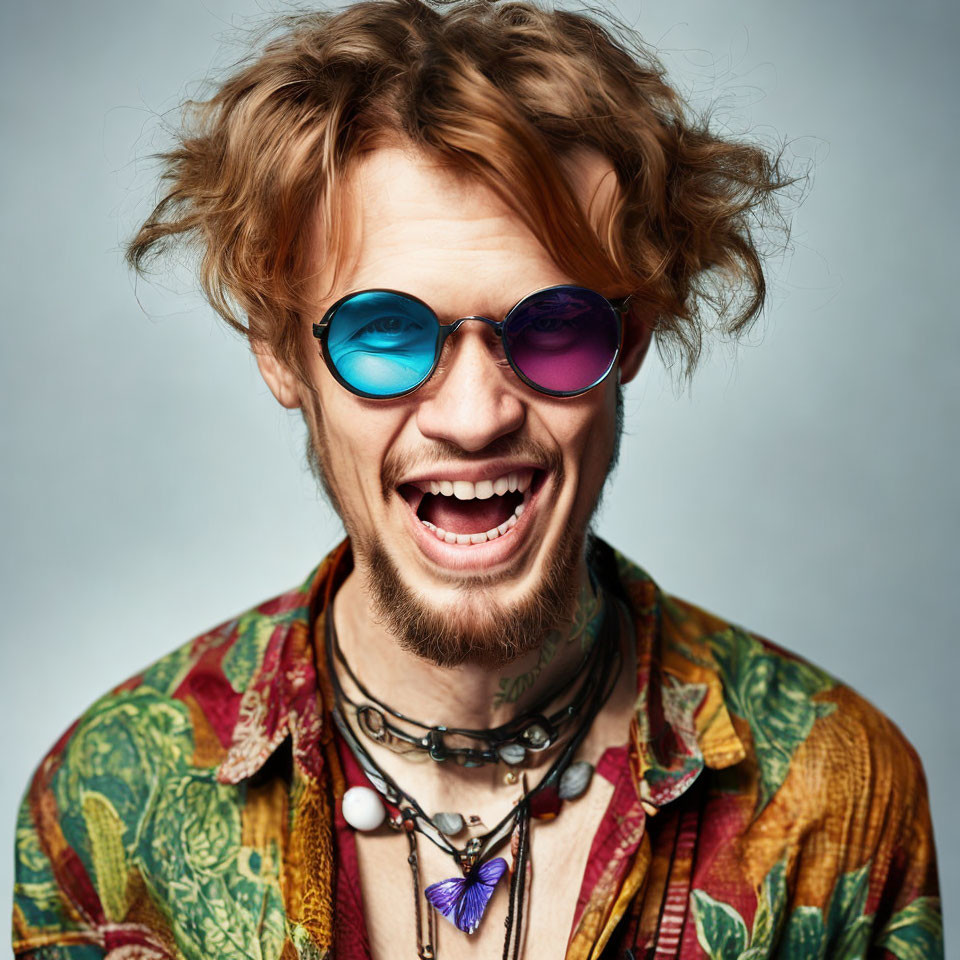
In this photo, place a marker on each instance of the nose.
(470, 400)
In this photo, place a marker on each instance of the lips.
(471, 512)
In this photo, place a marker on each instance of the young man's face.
(474, 424)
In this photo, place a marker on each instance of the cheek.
(358, 434)
(584, 428)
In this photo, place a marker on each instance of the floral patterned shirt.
(762, 808)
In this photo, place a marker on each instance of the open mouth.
(467, 512)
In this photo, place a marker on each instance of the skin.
(456, 246)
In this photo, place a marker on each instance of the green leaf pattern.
(770, 909)
(246, 653)
(73, 951)
(131, 800)
(166, 674)
(720, 929)
(774, 695)
(35, 890)
(803, 938)
(105, 830)
(915, 933)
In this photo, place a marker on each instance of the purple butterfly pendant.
(463, 900)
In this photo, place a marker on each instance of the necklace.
(464, 899)
(509, 742)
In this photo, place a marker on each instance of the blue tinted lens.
(382, 343)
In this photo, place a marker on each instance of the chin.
(474, 628)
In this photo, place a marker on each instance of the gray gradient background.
(805, 487)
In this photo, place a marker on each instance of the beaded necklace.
(464, 899)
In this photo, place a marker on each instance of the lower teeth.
(462, 538)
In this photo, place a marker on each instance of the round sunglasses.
(382, 344)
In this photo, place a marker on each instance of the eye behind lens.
(382, 343)
(563, 340)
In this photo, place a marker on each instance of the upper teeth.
(516, 482)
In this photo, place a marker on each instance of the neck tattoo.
(585, 627)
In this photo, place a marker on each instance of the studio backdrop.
(804, 486)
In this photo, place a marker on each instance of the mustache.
(399, 464)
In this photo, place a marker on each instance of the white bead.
(363, 809)
(575, 780)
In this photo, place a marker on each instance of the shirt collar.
(681, 723)
(283, 698)
(680, 726)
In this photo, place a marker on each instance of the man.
(474, 730)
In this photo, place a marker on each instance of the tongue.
(466, 516)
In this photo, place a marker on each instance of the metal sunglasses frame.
(321, 331)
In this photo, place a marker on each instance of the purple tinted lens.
(563, 340)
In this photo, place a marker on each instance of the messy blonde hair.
(498, 91)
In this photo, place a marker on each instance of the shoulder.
(801, 725)
(821, 829)
(107, 804)
(197, 687)
(830, 792)
(807, 729)
(185, 702)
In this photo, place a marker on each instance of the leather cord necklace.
(464, 899)
(509, 743)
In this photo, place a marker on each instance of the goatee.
(475, 629)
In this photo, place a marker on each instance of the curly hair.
(498, 91)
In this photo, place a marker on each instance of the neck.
(469, 695)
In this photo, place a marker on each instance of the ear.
(279, 378)
(637, 334)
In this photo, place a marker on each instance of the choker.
(463, 899)
(509, 743)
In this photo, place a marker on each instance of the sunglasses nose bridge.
(449, 328)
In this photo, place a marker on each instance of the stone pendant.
(575, 780)
(449, 824)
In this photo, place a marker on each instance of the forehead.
(412, 225)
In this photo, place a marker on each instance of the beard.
(475, 629)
